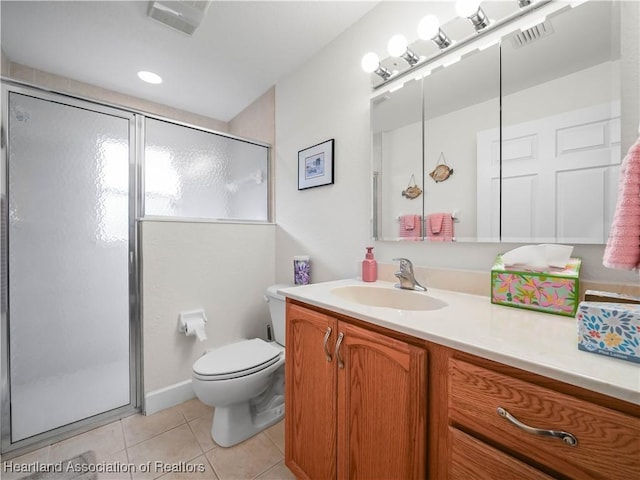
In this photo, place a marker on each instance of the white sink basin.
(388, 297)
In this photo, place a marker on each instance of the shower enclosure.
(70, 307)
(76, 178)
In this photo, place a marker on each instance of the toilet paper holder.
(193, 323)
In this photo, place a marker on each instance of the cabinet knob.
(566, 437)
(327, 354)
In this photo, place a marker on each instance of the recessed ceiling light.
(150, 77)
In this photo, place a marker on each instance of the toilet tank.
(277, 311)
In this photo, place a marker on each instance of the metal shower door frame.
(136, 147)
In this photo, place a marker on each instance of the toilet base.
(235, 423)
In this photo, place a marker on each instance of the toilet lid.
(237, 358)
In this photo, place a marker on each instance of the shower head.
(19, 114)
(256, 177)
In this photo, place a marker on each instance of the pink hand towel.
(435, 222)
(440, 227)
(409, 222)
(410, 227)
(623, 246)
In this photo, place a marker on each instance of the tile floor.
(177, 438)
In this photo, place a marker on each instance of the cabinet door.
(310, 394)
(381, 406)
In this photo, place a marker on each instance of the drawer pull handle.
(566, 437)
(327, 334)
(338, 344)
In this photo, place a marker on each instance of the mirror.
(561, 138)
(396, 125)
(461, 102)
(553, 178)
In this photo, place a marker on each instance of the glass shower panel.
(191, 173)
(68, 187)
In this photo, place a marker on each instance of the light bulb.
(428, 27)
(467, 8)
(397, 45)
(370, 62)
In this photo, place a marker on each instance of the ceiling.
(238, 52)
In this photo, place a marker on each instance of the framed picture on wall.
(315, 165)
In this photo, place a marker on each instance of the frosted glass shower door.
(69, 305)
(191, 173)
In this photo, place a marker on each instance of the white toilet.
(244, 381)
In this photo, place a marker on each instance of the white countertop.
(537, 342)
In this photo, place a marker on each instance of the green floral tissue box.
(554, 291)
(611, 329)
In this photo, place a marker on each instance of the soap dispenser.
(369, 267)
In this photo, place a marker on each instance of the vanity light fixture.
(150, 77)
(371, 64)
(472, 10)
(399, 47)
(429, 29)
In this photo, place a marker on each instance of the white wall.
(221, 268)
(329, 98)
(4, 63)
(257, 120)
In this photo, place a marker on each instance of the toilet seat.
(236, 360)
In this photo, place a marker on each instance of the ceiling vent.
(181, 15)
(530, 35)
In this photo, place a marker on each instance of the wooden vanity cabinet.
(355, 400)
(560, 434)
(391, 414)
(475, 441)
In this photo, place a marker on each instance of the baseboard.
(167, 397)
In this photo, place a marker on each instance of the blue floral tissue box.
(611, 329)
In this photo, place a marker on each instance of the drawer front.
(472, 459)
(608, 442)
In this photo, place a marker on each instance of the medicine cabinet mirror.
(396, 124)
(533, 128)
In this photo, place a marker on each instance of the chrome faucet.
(405, 275)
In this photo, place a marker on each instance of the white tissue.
(193, 323)
(539, 257)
